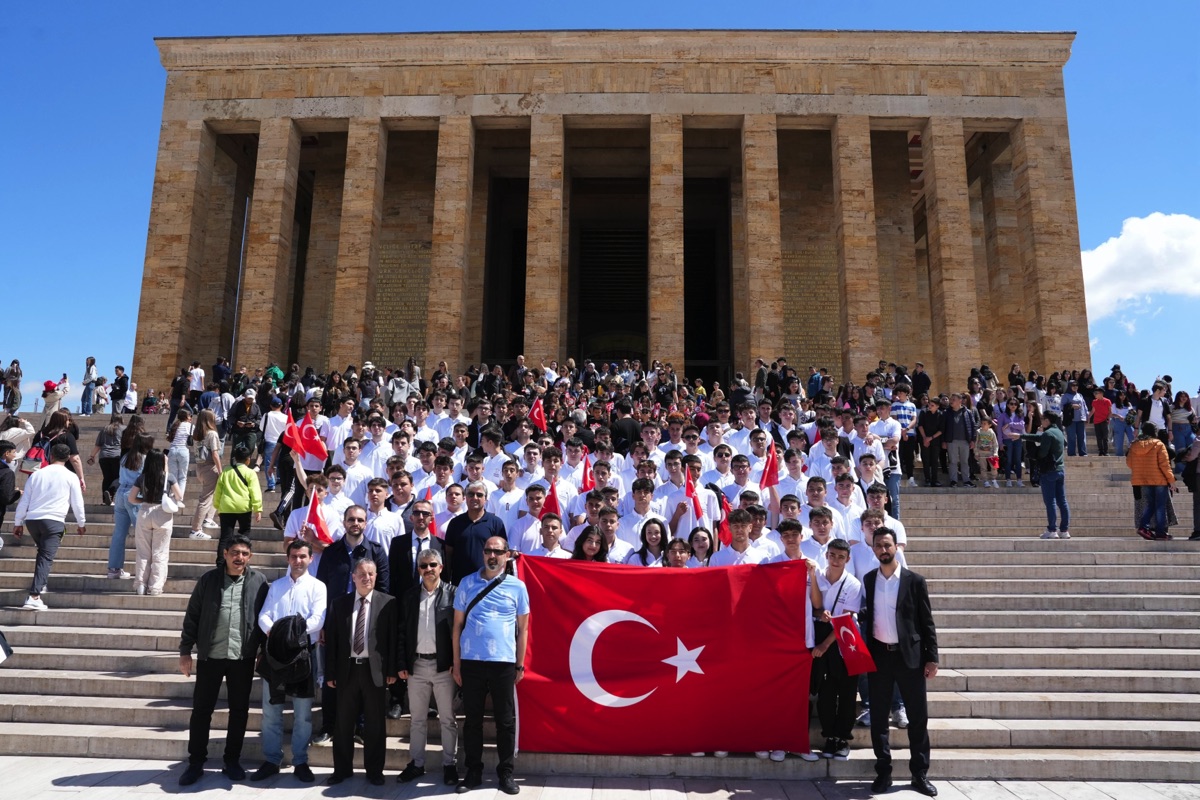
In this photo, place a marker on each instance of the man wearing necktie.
(361, 662)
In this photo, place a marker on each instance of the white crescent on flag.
(850, 642)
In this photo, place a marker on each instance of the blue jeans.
(124, 516)
(1123, 435)
(893, 487)
(1156, 506)
(1077, 438)
(272, 729)
(1054, 492)
(268, 450)
(1183, 440)
(1014, 457)
(177, 465)
(85, 404)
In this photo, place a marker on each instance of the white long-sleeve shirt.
(49, 493)
(306, 597)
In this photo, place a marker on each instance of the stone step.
(1072, 680)
(100, 568)
(1001, 545)
(1151, 707)
(1067, 637)
(124, 599)
(21, 636)
(1026, 586)
(1077, 620)
(95, 583)
(1034, 763)
(89, 683)
(1073, 658)
(95, 619)
(183, 551)
(1111, 572)
(1064, 602)
(1056, 557)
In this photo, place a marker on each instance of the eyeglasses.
(431, 565)
(495, 551)
(476, 494)
(422, 514)
(691, 437)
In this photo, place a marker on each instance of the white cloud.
(1094, 342)
(1154, 255)
(1130, 325)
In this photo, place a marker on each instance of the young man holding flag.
(835, 592)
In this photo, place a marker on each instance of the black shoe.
(375, 780)
(953, 484)
(322, 739)
(508, 785)
(829, 748)
(358, 737)
(970, 484)
(276, 520)
(267, 770)
(473, 780)
(394, 712)
(921, 785)
(1163, 537)
(881, 784)
(335, 779)
(410, 773)
(192, 774)
(304, 773)
(1195, 537)
(233, 770)
(936, 484)
(450, 775)
(106, 498)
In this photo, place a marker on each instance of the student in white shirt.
(652, 540)
(794, 479)
(722, 472)
(845, 504)
(703, 544)
(618, 551)
(297, 527)
(339, 426)
(526, 535)
(504, 501)
(383, 524)
(815, 494)
(551, 530)
(740, 549)
(741, 479)
(357, 473)
(758, 531)
(834, 592)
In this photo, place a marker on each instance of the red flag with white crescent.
(537, 415)
(851, 645)
(587, 481)
(617, 657)
(291, 434)
(551, 504)
(316, 520)
(724, 534)
(689, 490)
(770, 474)
(311, 438)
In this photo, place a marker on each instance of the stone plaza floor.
(31, 778)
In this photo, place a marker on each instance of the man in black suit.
(897, 624)
(402, 566)
(334, 571)
(360, 642)
(426, 656)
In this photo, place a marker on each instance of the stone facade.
(336, 199)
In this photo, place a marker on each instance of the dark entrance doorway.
(504, 281)
(708, 336)
(608, 267)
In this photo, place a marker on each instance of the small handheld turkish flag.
(617, 657)
(690, 492)
(551, 504)
(433, 526)
(851, 645)
(291, 435)
(311, 438)
(587, 481)
(770, 474)
(537, 415)
(316, 520)
(724, 533)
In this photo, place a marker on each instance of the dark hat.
(277, 401)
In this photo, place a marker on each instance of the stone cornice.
(770, 48)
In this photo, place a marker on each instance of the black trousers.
(1102, 437)
(239, 677)
(229, 522)
(835, 699)
(908, 455)
(110, 470)
(930, 460)
(890, 672)
(479, 679)
(358, 694)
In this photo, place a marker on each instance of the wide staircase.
(1060, 659)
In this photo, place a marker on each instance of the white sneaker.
(1021, 484)
(900, 718)
(198, 535)
(1008, 484)
(864, 719)
(208, 523)
(843, 751)
(34, 604)
(811, 756)
(763, 754)
(698, 755)
(118, 574)
(721, 753)
(778, 755)
(912, 482)
(1064, 534)
(1049, 535)
(140, 590)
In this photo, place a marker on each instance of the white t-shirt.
(196, 379)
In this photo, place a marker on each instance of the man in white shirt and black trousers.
(897, 624)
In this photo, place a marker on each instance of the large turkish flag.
(629, 660)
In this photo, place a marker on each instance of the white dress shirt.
(728, 557)
(306, 597)
(887, 591)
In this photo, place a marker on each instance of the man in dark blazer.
(426, 656)
(334, 571)
(897, 624)
(361, 659)
(402, 568)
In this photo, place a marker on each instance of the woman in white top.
(678, 554)
(90, 375)
(654, 536)
(701, 542)
(180, 452)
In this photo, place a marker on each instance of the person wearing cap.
(244, 420)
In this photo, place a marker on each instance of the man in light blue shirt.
(491, 626)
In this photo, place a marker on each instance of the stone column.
(320, 263)
(451, 235)
(1049, 242)
(665, 326)
(858, 254)
(262, 328)
(353, 327)
(951, 253)
(764, 272)
(168, 315)
(545, 332)
(1005, 280)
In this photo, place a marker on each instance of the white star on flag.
(684, 661)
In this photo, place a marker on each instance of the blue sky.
(82, 87)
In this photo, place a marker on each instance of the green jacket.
(237, 491)
(1051, 446)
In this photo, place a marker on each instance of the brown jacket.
(1149, 464)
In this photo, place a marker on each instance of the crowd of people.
(611, 463)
